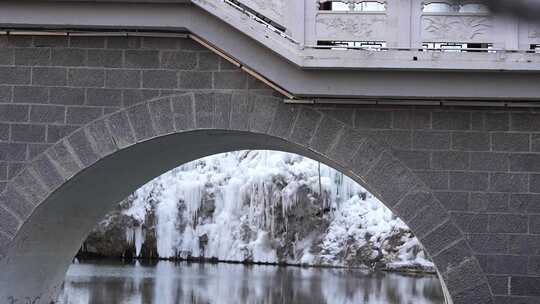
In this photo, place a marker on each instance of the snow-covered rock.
(258, 206)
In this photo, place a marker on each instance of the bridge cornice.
(371, 84)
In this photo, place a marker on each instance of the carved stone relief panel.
(272, 9)
(439, 28)
(534, 32)
(351, 27)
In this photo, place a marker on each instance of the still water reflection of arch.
(166, 282)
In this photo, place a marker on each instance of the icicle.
(139, 240)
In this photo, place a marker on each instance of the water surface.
(192, 283)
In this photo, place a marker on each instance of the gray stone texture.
(466, 180)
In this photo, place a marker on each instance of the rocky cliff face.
(257, 206)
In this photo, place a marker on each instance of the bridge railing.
(314, 29)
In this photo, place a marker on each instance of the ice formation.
(268, 206)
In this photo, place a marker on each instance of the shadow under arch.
(50, 207)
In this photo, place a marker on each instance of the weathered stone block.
(162, 117)
(13, 151)
(63, 157)
(508, 223)
(17, 203)
(506, 264)
(435, 241)
(57, 132)
(468, 181)
(346, 146)
(435, 180)
(36, 149)
(100, 138)
(419, 160)
(372, 119)
(4, 131)
(67, 96)
(478, 295)
(391, 180)
(6, 94)
(139, 117)
(104, 97)
(69, 57)
(534, 265)
(30, 94)
(534, 224)
(525, 203)
(27, 133)
(525, 122)
(465, 276)
(47, 172)
(16, 75)
(488, 161)
(49, 76)
(324, 137)
(105, 58)
(365, 157)
(449, 160)
(123, 79)
(29, 184)
(262, 113)
(507, 182)
(453, 200)
(453, 256)
(431, 140)
(9, 224)
(405, 119)
(141, 59)
(207, 61)
(497, 121)
(204, 110)
(82, 147)
(86, 78)
(446, 120)
(489, 243)
(305, 126)
(179, 60)
(160, 79)
(14, 113)
(470, 141)
(6, 56)
(471, 222)
(427, 219)
(33, 56)
(511, 142)
(184, 112)
(412, 203)
(393, 139)
(489, 202)
(82, 115)
(195, 80)
(499, 284)
(89, 42)
(160, 43)
(525, 162)
(524, 286)
(48, 114)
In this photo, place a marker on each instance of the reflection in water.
(167, 282)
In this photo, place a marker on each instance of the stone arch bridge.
(86, 119)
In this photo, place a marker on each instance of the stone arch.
(47, 210)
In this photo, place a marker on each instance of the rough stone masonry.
(482, 164)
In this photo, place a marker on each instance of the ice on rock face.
(250, 205)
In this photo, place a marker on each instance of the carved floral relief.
(456, 28)
(534, 32)
(351, 27)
